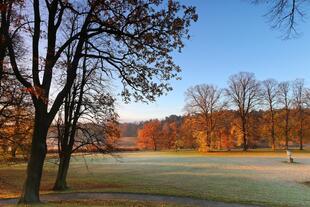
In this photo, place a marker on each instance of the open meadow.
(260, 178)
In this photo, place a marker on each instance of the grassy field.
(253, 177)
(95, 203)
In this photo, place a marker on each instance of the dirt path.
(129, 196)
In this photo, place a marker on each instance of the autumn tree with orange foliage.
(16, 120)
(150, 136)
(186, 139)
(170, 135)
(225, 131)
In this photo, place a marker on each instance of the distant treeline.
(188, 132)
(130, 129)
(248, 113)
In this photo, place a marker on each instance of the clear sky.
(230, 36)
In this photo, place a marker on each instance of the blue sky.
(230, 36)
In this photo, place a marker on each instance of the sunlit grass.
(251, 177)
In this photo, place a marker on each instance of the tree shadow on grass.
(292, 163)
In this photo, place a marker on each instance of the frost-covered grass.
(252, 177)
(107, 203)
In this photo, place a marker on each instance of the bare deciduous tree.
(285, 15)
(299, 102)
(307, 97)
(286, 101)
(132, 39)
(10, 22)
(203, 100)
(243, 91)
(88, 102)
(270, 97)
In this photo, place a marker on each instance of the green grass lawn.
(252, 177)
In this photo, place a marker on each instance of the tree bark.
(13, 151)
(244, 133)
(273, 132)
(61, 180)
(208, 130)
(4, 26)
(301, 136)
(301, 143)
(207, 141)
(301, 123)
(30, 193)
(286, 128)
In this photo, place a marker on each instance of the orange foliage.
(113, 133)
(188, 132)
(150, 135)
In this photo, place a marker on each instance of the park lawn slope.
(106, 203)
(262, 178)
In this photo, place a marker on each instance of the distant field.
(252, 177)
(127, 142)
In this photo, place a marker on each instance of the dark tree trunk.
(208, 144)
(301, 132)
(1, 64)
(301, 137)
(273, 145)
(286, 129)
(212, 126)
(30, 193)
(244, 134)
(13, 152)
(273, 139)
(61, 180)
(208, 133)
(245, 145)
(72, 115)
(3, 42)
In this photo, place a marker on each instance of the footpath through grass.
(252, 177)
